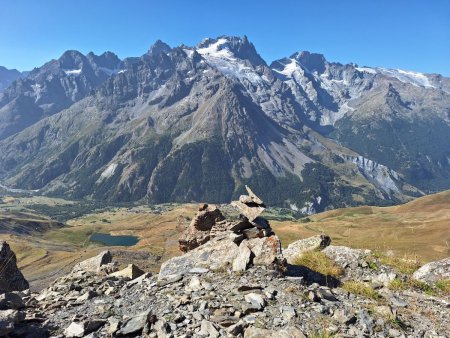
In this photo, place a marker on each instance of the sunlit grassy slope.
(420, 227)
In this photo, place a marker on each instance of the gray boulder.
(9, 300)
(94, 264)
(136, 323)
(266, 250)
(223, 252)
(296, 248)
(242, 260)
(345, 256)
(11, 279)
(434, 271)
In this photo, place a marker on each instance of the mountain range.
(198, 123)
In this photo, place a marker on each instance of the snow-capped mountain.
(197, 123)
(52, 87)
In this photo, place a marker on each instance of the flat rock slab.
(213, 255)
(251, 212)
(242, 260)
(95, 263)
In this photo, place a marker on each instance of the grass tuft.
(421, 286)
(406, 265)
(444, 285)
(319, 262)
(400, 285)
(397, 285)
(362, 289)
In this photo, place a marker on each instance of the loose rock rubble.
(227, 287)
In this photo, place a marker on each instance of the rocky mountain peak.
(230, 47)
(313, 62)
(107, 60)
(159, 47)
(72, 59)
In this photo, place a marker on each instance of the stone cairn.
(252, 225)
(210, 222)
(213, 243)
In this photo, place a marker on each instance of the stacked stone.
(252, 225)
(205, 225)
(209, 222)
(212, 243)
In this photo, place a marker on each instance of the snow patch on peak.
(216, 49)
(289, 69)
(189, 52)
(220, 57)
(414, 78)
(72, 71)
(366, 70)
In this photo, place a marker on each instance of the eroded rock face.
(434, 271)
(199, 231)
(11, 279)
(296, 248)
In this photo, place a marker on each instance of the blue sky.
(407, 34)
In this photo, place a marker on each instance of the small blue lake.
(109, 240)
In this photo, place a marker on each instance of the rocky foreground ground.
(235, 281)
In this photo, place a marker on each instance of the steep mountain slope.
(51, 88)
(397, 118)
(8, 76)
(175, 122)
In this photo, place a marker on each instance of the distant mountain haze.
(8, 76)
(198, 123)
